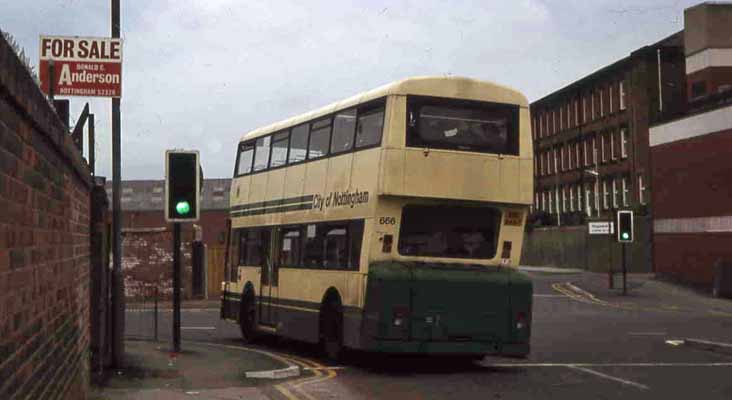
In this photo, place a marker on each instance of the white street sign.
(601, 228)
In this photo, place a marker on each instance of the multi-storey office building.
(591, 153)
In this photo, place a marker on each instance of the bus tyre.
(331, 331)
(247, 317)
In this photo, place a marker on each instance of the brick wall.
(44, 246)
(147, 251)
(147, 262)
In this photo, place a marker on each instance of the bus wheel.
(247, 317)
(331, 328)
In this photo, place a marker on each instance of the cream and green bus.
(391, 221)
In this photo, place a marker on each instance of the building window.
(610, 100)
(584, 109)
(579, 198)
(624, 143)
(596, 196)
(561, 118)
(570, 158)
(605, 196)
(550, 196)
(622, 96)
(626, 191)
(564, 199)
(615, 193)
(578, 163)
(588, 198)
(602, 104)
(561, 158)
(641, 190)
(612, 146)
(571, 198)
(584, 146)
(569, 114)
(594, 150)
(556, 161)
(576, 112)
(554, 121)
(602, 148)
(592, 104)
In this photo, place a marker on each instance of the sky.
(199, 74)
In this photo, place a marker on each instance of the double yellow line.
(292, 389)
(575, 293)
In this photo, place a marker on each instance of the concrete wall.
(44, 246)
(572, 247)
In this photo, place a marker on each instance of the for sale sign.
(83, 66)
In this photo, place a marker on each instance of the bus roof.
(438, 86)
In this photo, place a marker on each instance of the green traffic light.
(626, 235)
(183, 207)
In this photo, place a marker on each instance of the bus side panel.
(301, 292)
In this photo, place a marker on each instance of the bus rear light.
(521, 322)
(399, 315)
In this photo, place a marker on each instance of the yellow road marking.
(589, 298)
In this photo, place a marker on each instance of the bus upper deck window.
(369, 128)
(261, 153)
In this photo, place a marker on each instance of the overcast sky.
(198, 74)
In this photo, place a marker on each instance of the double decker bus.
(391, 221)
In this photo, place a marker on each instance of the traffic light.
(182, 185)
(625, 226)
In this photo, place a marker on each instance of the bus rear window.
(462, 125)
(449, 231)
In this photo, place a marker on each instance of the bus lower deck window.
(449, 231)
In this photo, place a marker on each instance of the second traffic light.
(182, 185)
(625, 226)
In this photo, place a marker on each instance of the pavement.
(660, 340)
(200, 370)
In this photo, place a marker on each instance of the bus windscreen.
(461, 125)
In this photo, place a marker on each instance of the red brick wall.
(44, 246)
(691, 257)
(147, 256)
(693, 177)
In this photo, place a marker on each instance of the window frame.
(371, 105)
(514, 120)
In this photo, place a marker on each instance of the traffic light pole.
(176, 287)
(625, 271)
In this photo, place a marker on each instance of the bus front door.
(269, 280)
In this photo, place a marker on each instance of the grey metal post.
(91, 144)
(156, 312)
(51, 81)
(117, 280)
(176, 287)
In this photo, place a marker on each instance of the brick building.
(147, 240)
(591, 156)
(690, 151)
(45, 245)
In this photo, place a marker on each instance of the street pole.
(92, 156)
(117, 280)
(625, 272)
(176, 287)
(51, 81)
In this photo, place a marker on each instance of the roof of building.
(149, 195)
(675, 40)
(422, 85)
